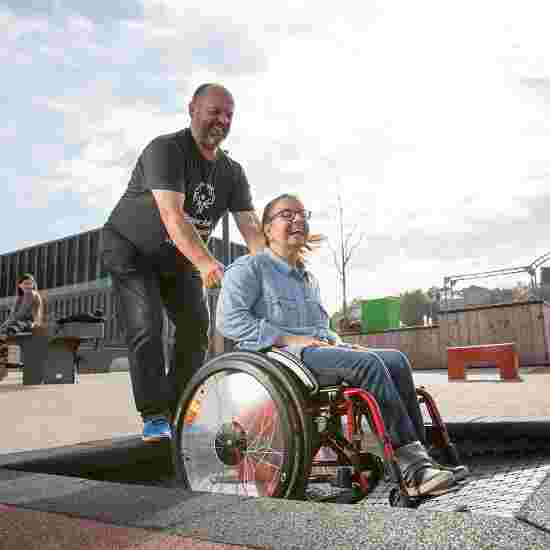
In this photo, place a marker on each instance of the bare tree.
(342, 254)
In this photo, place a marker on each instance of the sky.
(430, 120)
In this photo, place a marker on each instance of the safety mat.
(498, 485)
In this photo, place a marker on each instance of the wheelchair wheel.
(235, 432)
(304, 430)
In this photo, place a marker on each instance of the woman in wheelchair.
(271, 300)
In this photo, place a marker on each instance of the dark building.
(70, 277)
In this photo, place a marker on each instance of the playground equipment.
(449, 282)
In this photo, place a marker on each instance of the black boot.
(421, 475)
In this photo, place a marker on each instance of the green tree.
(414, 305)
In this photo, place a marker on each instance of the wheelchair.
(257, 424)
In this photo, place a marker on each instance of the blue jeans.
(384, 373)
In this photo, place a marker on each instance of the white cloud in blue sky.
(432, 121)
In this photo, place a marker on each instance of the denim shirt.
(263, 297)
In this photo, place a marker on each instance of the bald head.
(203, 90)
(211, 111)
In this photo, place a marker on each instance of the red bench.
(504, 355)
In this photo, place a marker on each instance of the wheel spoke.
(235, 442)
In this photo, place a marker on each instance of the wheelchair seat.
(289, 361)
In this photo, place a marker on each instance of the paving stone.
(112, 502)
(23, 488)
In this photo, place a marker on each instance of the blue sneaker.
(156, 428)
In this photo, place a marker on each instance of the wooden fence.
(525, 323)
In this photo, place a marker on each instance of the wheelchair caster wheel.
(399, 500)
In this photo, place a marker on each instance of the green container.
(380, 314)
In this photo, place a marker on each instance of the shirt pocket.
(283, 312)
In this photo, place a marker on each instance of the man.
(155, 248)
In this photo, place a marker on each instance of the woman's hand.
(306, 341)
(357, 347)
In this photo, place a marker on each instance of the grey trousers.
(145, 288)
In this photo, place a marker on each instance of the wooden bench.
(505, 357)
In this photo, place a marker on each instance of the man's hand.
(212, 274)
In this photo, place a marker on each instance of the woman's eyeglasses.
(290, 215)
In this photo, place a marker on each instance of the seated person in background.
(271, 300)
(26, 313)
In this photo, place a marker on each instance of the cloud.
(100, 11)
(110, 134)
(540, 83)
(540, 88)
(8, 131)
(431, 122)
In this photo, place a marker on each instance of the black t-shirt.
(173, 162)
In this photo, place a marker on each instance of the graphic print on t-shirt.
(203, 198)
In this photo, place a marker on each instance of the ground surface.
(44, 511)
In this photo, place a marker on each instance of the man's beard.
(210, 137)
